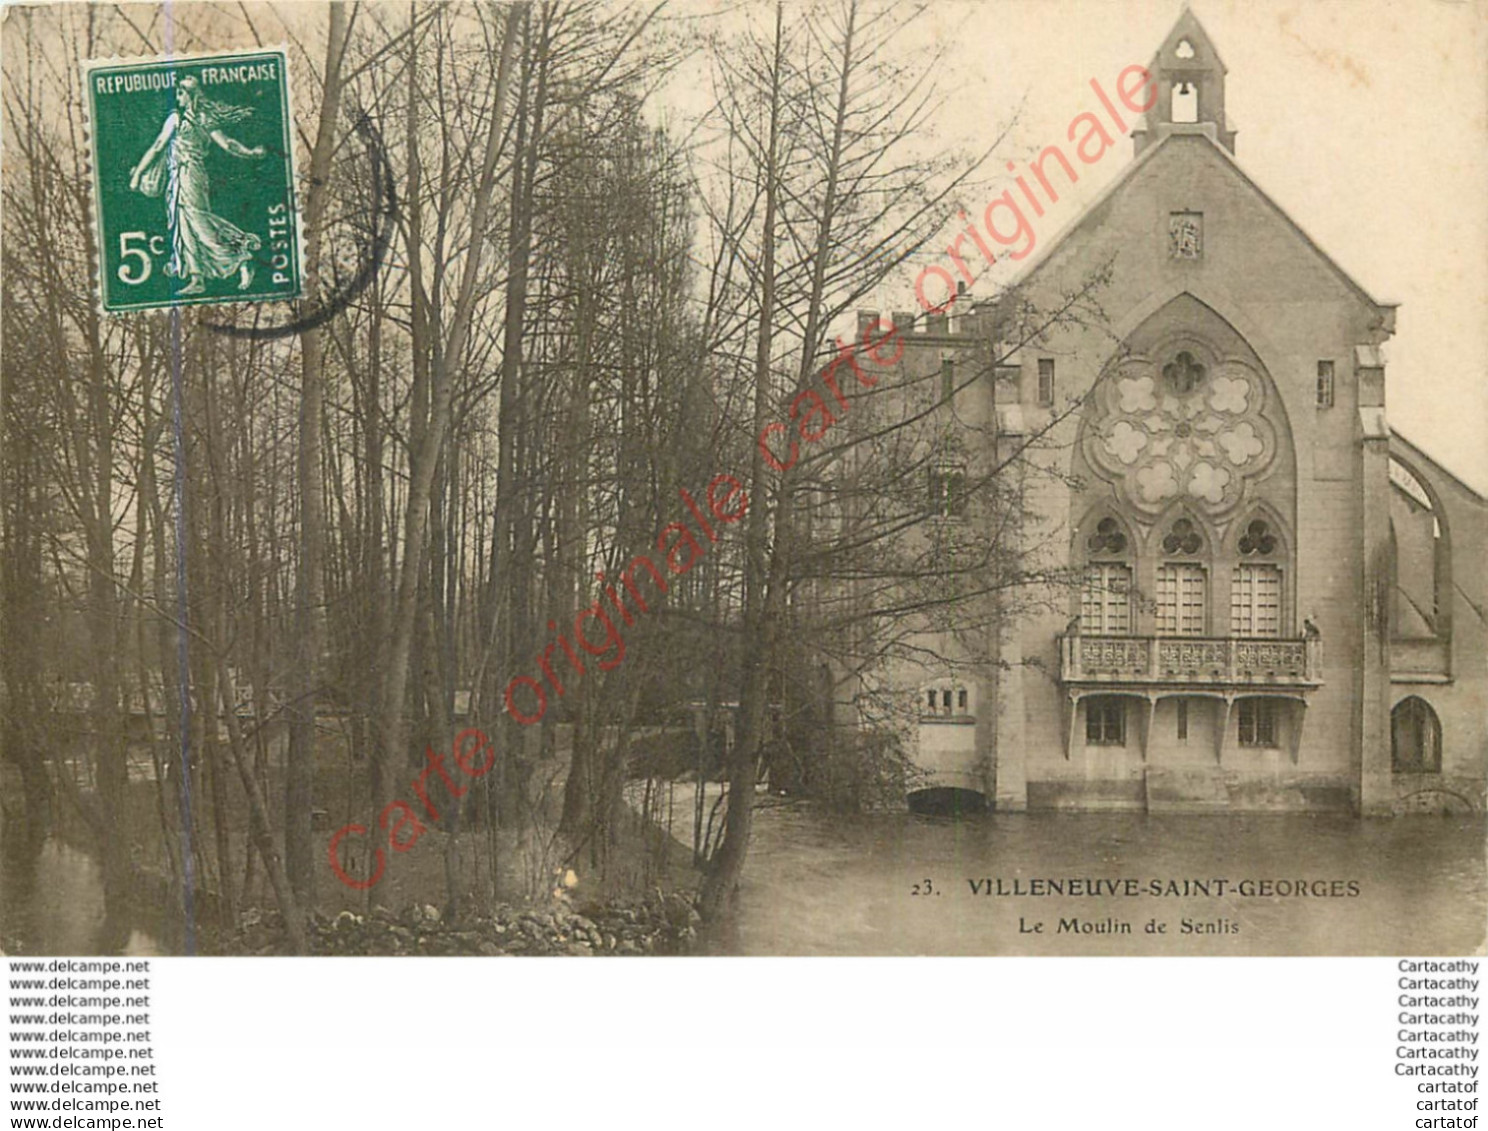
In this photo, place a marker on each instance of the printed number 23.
(924, 887)
(127, 252)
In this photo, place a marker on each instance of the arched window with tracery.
(1256, 584)
(1105, 600)
(1415, 737)
(1183, 580)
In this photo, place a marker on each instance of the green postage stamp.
(193, 180)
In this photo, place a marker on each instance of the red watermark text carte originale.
(1004, 218)
(677, 547)
(398, 819)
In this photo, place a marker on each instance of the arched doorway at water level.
(945, 801)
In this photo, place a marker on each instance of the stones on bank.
(659, 924)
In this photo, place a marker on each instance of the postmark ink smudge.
(384, 208)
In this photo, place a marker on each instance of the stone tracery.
(1182, 425)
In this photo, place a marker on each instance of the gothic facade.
(1272, 600)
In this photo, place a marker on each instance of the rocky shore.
(658, 924)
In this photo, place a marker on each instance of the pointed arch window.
(1255, 601)
(1415, 738)
(1255, 589)
(1105, 601)
(1182, 599)
(1182, 582)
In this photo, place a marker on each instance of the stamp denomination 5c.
(193, 180)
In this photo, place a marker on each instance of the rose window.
(1181, 428)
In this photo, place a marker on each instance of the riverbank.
(662, 923)
(518, 888)
(54, 905)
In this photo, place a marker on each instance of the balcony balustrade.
(1190, 661)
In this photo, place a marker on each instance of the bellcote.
(1190, 79)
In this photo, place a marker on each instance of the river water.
(52, 903)
(820, 884)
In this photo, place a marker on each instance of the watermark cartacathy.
(676, 545)
(679, 547)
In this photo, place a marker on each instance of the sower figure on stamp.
(202, 244)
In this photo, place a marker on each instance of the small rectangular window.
(1183, 720)
(1105, 721)
(1046, 381)
(1257, 722)
(948, 492)
(961, 699)
(1325, 384)
(947, 378)
(930, 699)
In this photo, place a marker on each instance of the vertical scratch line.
(183, 611)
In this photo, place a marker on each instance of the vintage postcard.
(826, 478)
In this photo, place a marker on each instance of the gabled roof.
(1188, 27)
(1149, 154)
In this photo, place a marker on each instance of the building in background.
(1276, 603)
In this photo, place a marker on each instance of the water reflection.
(817, 884)
(828, 885)
(52, 903)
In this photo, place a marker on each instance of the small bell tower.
(1190, 87)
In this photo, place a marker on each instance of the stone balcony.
(1153, 663)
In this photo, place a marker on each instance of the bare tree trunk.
(21, 607)
(299, 778)
(103, 628)
(728, 865)
(424, 459)
(214, 605)
(768, 605)
(258, 817)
